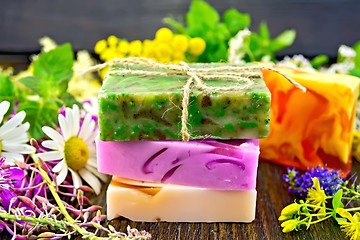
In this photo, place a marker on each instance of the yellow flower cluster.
(167, 47)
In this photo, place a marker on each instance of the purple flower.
(9, 179)
(330, 181)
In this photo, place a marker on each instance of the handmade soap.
(141, 107)
(313, 127)
(140, 201)
(222, 165)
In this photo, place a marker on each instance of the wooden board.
(272, 197)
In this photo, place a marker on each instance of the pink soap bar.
(220, 165)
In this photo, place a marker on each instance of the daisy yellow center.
(0, 146)
(76, 153)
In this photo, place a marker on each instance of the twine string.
(239, 74)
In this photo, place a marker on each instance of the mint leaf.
(355, 72)
(7, 91)
(356, 48)
(264, 31)
(236, 21)
(282, 41)
(39, 114)
(202, 14)
(37, 84)
(55, 67)
(317, 61)
(217, 52)
(178, 26)
(69, 100)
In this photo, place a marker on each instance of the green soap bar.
(139, 107)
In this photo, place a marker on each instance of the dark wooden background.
(321, 25)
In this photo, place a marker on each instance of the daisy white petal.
(76, 120)
(54, 135)
(52, 145)
(92, 162)
(62, 174)
(65, 129)
(88, 130)
(58, 166)
(94, 170)
(4, 107)
(92, 106)
(23, 138)
(49, 156)
(12, 123)
(92, 180)
(10, 157)
(91, 137)
(85, 126)
(19, 148)
(69, 121)
(76, 178)
(92, 155)
(17, 131)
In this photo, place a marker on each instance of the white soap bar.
(151, 202)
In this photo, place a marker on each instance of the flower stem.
(353, 209)
(58, 200)
(62, 207)
(32, 220)
(322, 219)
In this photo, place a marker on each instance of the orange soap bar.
(313, 127)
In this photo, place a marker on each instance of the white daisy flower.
(14, 136)
(91, 106)
(75, 148)
(236, 50)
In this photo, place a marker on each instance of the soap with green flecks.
(136, 107)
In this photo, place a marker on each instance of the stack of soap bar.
(208, 164)
(158, 177)
(134, 107)
(175, 203)
(313, 127)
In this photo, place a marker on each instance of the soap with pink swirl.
(213, 164)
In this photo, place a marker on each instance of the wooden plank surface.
(271, 198)
(321, 25)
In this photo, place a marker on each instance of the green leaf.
(39, 114)
(177, 26)
(356, 48)
(236, 21)
(317, 61)
(55, 67)
(202, 14)
(264, 31)
(221, 32)
(7, 91)
(282, 41)
(37, 84)
(218, 53)
(336, 201)
(69, 100)
(341, 220)
(355, 72)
